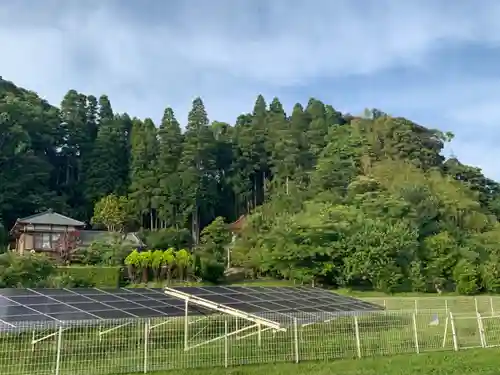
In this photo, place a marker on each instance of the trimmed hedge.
(98, 276)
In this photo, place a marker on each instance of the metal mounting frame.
(258, 322)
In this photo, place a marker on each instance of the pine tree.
(282, 144)
(92, 113)
(105, 110)
(108, 165)
(242, 168)
(198, 169)
(169, 182)
(143, 179)
(260, 150)
(298, 127)
(76, 151)
(318, 127)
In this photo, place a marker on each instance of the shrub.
(92, 276)
(169, 237)
(65, 280)
(104, 253)
(29, 270)
(466, 277)
(211, 270)
(491, 275)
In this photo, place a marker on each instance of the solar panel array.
(280, 304)
(283, 304)
(39, 305)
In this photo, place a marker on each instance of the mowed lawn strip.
(467, 362)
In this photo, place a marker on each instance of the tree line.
(346, 200)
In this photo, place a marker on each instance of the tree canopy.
(345, 200)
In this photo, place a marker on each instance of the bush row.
(37, 270)
(91, 276)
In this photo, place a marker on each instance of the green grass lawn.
(469, 362)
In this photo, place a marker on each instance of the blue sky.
(435, 62)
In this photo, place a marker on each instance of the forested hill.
(350, 199)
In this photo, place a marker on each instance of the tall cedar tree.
(107, 168)
(144, 197)
(198, 169)
(167, 168)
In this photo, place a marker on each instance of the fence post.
(446, 307)
(358, 340)
(445, 333)
(226, 343)
(58, 355)
(480, 326)
(475, 305)
(296, 340)
(416, 306)
(415, 333)
(453, 332)
(492, 307)
(146, 339)
(186, 324)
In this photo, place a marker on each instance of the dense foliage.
(38, 270)
(158, 265)
(350, 201)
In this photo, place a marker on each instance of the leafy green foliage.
(111, 211)
(169, 237)
(27, 271)
(354, 201)
(215, 238)
(89, 276)
(105, 253)
(158, 265)
(212, 252)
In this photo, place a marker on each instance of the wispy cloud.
(409, 57)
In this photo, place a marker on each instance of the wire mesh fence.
(147, 345)
(486, 305)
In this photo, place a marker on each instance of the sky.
(436, 62)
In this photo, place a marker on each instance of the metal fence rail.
(146, 345)
(459, 304)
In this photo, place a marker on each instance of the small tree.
(491, 275)
(215, 238)
(111, 211)
(93, 254)
(466, 277)
(156, 263)
(184, 260)
(145, 260)
(168, 262)
(132, 261)
(67, 245)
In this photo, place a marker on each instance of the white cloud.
(145, 55)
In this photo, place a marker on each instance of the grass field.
(469, 362)
(155, 345)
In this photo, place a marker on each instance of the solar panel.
(72, 305)
(282, 304)
(68, 306)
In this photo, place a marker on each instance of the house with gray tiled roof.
(51, 232)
